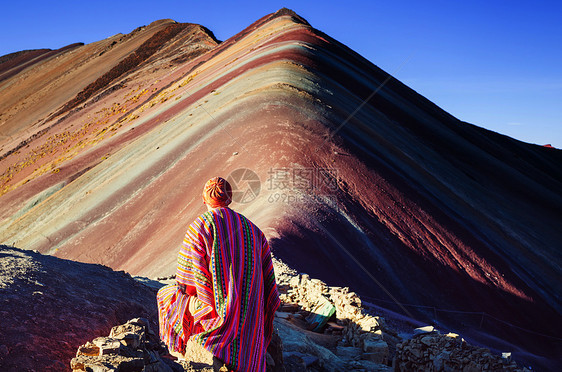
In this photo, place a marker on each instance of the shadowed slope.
(437, 212)
(51, 306)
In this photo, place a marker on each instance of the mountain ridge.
(412, 193)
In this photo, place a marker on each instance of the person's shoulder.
(214, 215)
(250, 223)
(203, 219)
(226, 212)
(241, 216)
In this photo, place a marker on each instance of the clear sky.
(496, 64)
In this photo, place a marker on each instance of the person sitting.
(225, 295)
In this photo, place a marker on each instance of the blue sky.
(496, 64)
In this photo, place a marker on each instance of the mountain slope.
(363, 182)
(51, 306)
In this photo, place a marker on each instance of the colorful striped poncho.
(225, 262)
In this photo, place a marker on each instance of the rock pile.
(359, 341)
(131, 347)
(354, 340)
(435, 352)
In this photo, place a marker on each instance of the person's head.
(217, 193)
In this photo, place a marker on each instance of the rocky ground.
(353, 339)
(50, 306)
(58, 315)
(318, 328)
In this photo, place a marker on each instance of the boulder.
(375, 350)
(129, 348)
(296, 342)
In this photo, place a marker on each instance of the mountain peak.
(288, 12)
